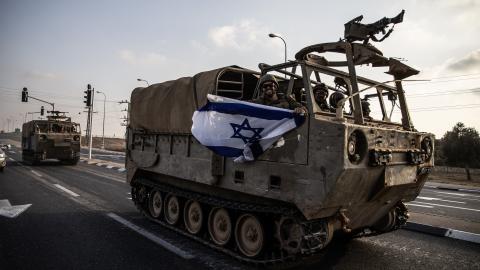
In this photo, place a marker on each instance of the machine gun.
(354, 30)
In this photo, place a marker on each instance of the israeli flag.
(240, 129)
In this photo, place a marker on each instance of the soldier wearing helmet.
(320, 93)
(268, 96)
(366, 109)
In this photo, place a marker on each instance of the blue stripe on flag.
(251, 111)
(226, 151)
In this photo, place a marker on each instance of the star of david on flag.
(237, 132)
(240, 129)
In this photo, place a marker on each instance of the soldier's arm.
(296, 106)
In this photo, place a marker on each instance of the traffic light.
(88, 97)
(42, 111)
(25, 95)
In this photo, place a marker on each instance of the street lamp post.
(142, 80)
(272, 35)
(284, 43)
(103, 129)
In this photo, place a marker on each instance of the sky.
(56, 48)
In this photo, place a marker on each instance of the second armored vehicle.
(55, 138)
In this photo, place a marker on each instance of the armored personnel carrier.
(349, 168)
(55, 138)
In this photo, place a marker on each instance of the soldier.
(268, 96)
(366, 109)
(320, 92)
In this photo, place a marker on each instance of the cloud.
(245, 35)
(142, 59)
(198, 46)
(468, 63)
(33, 74)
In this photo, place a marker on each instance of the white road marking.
(463, 198)
(121, 170)
(458, 194)
(152, 237)
(129, 198)
(437, 199)
(12, 152)
(66, 190)
(11, 159)
(36, 173)
(5, 203)
(419, 205)
(449, 206)
(12, 211)
(109, 167)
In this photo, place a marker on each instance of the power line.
(448, 92)
(443, 81)
(454, 76)
(439, 108)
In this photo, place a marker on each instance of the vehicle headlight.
(427, 148)
(356, 146)
(2, 155)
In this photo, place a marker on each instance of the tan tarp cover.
(169, 106)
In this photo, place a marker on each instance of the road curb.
(443, 232)
(104, 165)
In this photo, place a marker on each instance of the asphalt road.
(77, 221)
(456, 204)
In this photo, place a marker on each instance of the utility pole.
(103, 128)
(125, 120)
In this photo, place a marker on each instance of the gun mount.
(55, 116)
(356, 31)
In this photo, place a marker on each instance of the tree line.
(459, 147)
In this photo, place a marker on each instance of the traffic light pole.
(25, 97)
(87, 130)
(51, 104)
(90, 109)
(89, 104)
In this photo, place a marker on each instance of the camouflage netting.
(169, 106)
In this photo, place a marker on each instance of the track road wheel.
(172, 209)
(219, 226)
(193, 216)
(155, 203)
(249, 235)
